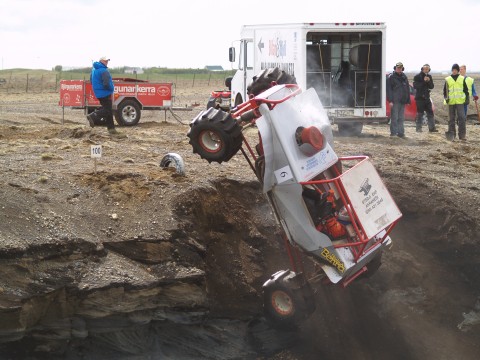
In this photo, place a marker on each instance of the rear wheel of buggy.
(215, 135)
(266, 78)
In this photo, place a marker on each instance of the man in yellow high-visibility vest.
(455, 94)
(470, 84)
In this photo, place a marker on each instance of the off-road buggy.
(335, 210)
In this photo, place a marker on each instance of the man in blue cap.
(102, 85)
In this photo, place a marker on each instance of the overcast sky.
(40, 34)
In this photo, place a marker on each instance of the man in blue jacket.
(102, 85)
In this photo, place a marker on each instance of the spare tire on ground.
(174, 160)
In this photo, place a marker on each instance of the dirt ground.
(423, 303)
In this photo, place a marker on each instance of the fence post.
(193, 84)
(27, 84)
(209, 77)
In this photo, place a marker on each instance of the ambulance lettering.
(277, 48)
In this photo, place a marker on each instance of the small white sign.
(283, 174)
(96, 151)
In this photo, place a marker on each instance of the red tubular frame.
(254, 103)
(357, 247)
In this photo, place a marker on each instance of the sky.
(40, 34)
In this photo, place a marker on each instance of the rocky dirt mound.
(135, 261)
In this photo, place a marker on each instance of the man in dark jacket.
(398, 95)
(102, 85)
(423, 84)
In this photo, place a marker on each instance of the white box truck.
(344, 62)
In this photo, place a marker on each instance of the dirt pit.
(137, 262)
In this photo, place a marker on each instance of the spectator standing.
(102, 85)
(398, 95)
(423, 84)
(470, 85)
(455, 94)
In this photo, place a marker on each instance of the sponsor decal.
(365, 187)
(71, 87)
(277, 47)
(332, 259)
(164, 90)
(135, 89)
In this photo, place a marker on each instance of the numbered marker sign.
(96, 151)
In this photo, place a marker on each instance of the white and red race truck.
(130, 97)
(344, 62)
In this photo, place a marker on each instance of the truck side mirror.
(231, 54)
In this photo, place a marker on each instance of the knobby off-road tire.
(128, 113)
(287, 299)
(215, 135)
(265, 78)
(280, 305)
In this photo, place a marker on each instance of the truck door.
(244, 74)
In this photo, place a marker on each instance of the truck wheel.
(264, 80)
(215, 135)
(175, 160)
(128, 113)
(350, 129)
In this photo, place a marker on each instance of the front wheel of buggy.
(215, 135)
(280, 306)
